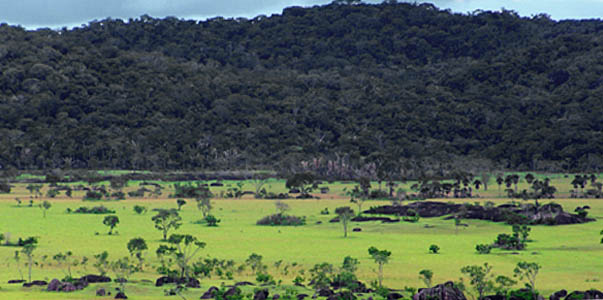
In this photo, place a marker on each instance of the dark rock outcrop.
(91, 278)
(14, 281)
(56, 285)
(446, 291)
(261, 294)
(121, 295)
(209, 294)
(548, 214)
(591, 294)
(35, 282)
(189, 283)
(558, 295)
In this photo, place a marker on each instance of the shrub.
(411, 216)
(212, 221)
(138, 193)
(264, 278)
(93, 196)
(97, 210)
(434, 249)
(509, 242)
(483, 248)
(138, 209)
(523, 294)
(325, 211)
(119, 195)
(282, 220)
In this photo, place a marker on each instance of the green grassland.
(571, 256)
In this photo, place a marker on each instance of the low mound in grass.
(282, 220)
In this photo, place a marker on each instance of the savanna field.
(571, 256)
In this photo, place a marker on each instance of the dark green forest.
(339, 89)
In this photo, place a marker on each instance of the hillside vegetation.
(348, 87)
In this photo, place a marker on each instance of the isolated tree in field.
(357, 196)
(515, 180)
(281, 207)
(529, 178)
(302, 181)
(345, 214)
(381, 257)
(480, 278)
(123, 268)
(180, 203)
(203, 200)
(477, 183)
(426, 276)
(183, 248)
(165, 220)
(111, 222)
(139, 209)
(66, 260)
(45, 206)
(136, 247)
(499, 181)
(528, 271)
(29, 246)
(102, 263)
(485, 176)
(259, 180)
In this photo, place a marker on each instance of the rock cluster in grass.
(188, 282)
(548, 214)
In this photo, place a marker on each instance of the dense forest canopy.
(333, 88)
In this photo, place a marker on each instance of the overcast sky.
(33, 14)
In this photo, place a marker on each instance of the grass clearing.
(571, 256)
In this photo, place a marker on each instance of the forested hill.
(398, 85)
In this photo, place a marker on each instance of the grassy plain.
(571, 256)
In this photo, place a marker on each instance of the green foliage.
(264, 278)
(229, 127)
(101, 263)
(412, 216)
(434, 249)
(180, 203)
(139, 209)
(480, 278)
(282, 220)
(524, 294)
(166, 220)
(222, 294)
(381, 257)
(303, 181)
(111, 221)
(509, 242)
(136, 247)
(211, 221)
(45, 206)
(528, 271)
(483, 248)
(182, 248)
(426, 276)
(97, 210)
(320, 275)
(345, 214)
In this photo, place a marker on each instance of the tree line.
(339, 88)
